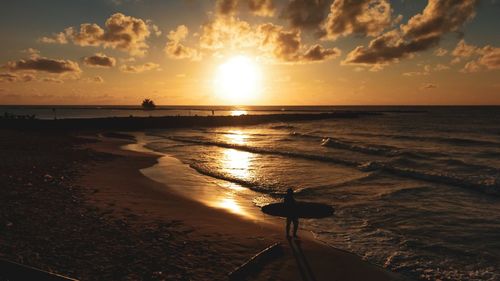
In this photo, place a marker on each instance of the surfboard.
(307, 210)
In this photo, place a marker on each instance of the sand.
(121, 189)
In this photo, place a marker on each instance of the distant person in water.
(291, 207)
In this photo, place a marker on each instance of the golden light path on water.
(238, 112)
(237, 164)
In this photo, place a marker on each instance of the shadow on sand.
(302, 263)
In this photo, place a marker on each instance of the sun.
(238, 80)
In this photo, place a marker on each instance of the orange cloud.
(175, 49)
(99, 60)
(139, 68)
(422, 32)
(120, 32)
(44, 65)
(366, 17)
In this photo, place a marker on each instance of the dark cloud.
(318, 53)
(120, 32)
(308, 14)
(45, 65)
(422, 32)
(263, 8)
(286, 45)
(99, 60)
(226, 7)
(365, 17)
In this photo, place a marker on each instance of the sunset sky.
(259, 52)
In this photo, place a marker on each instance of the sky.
(250, 52)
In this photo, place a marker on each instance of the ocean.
(416, 189)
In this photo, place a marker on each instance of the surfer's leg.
(288, 221)
(295, 226)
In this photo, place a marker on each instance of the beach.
(87, 212)
(414, 192)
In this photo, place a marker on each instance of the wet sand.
(233, 238)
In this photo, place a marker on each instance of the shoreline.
(244, 228)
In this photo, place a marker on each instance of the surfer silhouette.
(292, 216)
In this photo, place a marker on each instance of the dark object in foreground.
(15, 271)
(307, 210)
(256, 262)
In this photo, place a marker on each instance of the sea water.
(415, 190)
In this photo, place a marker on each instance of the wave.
(253, 185)
(279, 127)
(447, 140)
(262, 150)
(383, 150)
(489, 185)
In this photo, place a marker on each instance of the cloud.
(95, 79)
(57, 38)
(263, 8)
(99, 60)
(429, 86)
(463, 50)
(98, 79)
(490, 58)
(175, 49)
(486, 58)
(286, 45)
(306, 14)
(52, 80)
(31, 52)
(440, 52)
(226, 7)
(120, 32)
(226, 33)
(427, 69)
(283, 44)
(139, 68)
(14, 77)
(44, 65)
(268, 40)
(422, 32)
(364, 17)
(318, 53)
(8, 77)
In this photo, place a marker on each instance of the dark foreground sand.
(83, 209)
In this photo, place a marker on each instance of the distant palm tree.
(148, 104)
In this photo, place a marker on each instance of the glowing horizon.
(228, 52)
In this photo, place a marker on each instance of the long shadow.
(304, 267)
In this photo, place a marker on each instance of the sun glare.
(238, 80)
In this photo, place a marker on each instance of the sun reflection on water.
(238, 112)
(237, 163)
(237, 136)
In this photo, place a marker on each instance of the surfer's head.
(289, 191)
